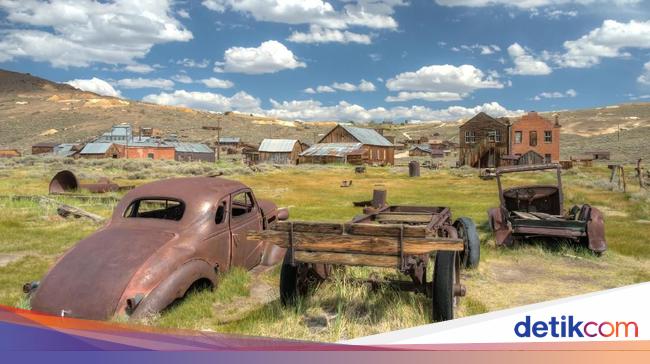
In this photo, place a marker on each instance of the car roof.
(190, 190)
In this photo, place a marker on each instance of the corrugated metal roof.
(332, 150)
(367, 136)
(233, 140)
(277, 145)
(191, 147)
(96, 148)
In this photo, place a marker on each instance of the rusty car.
(162, 239)
(537, 212)
(403, 237)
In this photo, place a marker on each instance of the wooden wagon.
(400, 237)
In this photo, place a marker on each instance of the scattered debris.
(618, 172)
(346, 183)
(66, 211)
(640, 175)
(487, 174)
(65, 182)
(360, 169)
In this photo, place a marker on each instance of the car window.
(156, 208)
(221, 213)
(241, 204)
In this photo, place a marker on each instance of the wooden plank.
(423, 219)
(348, 259)
(525, 215)
(354, 244)
(391, 230)
(310, 227)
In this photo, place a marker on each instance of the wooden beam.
(348, 259)
(371, 245)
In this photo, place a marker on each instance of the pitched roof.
(482, 116)
(96, 148)
(191, 147)
(332, 150)
(232, 140)
(367, 136)
(277, 145)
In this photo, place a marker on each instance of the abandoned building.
(279, 151)
(191, 152)
(44, 148)
(148, 148)
(483, 141)
(326, 153)
(9, 153)
(425, 150)
(535, 140)
(68, 150)
(101, 150)
(600, 155)
(376, 149)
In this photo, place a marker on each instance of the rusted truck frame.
(537, 211)
(400, 237)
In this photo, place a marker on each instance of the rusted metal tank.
(414, 169)
(66, 182)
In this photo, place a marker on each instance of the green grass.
(32, 235)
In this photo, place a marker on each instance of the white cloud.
(363, 86)
(139, 68)
(190, 63)
(556, 95)
(95, 85)
(213, 82)
(483, 49)
(315, 110)
(528, 4)
(425, 95)
(183, 13)
(645, 76)
(241, 101)
(270, 57)
(525, 63)
(79, 33)
(182, 78)
(553, 14)
(145, 83)
(443, 78)
(318, 34)
(607, 41)
(375, 57)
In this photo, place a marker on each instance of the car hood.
(90, 279)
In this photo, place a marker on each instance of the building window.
(470, 137)
(548, 136)
(150, 155)
(518, 137)
(533, 139)
(494, 136)
(547, 158)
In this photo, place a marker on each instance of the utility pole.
(218, 140)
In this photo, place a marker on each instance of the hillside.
(33, 110)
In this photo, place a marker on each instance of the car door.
(219, 239)
(244, 217)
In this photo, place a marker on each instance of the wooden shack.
(44, 148)
(600, 155)
(483, 140)
(377, 149)
(101, 150)
(279, 151)
(9, 153)
(585, 160)
(327, 153)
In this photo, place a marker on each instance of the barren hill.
(33, 110)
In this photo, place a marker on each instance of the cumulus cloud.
(79, 33)
(182, 78)
(214, 82)
(241, 101)
(424, 95)
(191, 63)
(326, 22)
(270, 57)
(145, 83)
(95, 85)
(528, 4)
(645, 76)
(556, 95)
(363, 86)
(318, 34)
(461, 80)
(607, 41)
(525, 63)
(483, 49)
(139, 68)
(315, 110)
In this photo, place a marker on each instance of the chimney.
(557, 119)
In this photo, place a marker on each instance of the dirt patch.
(6, 259)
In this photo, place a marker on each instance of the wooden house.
(326, 153)
(279, 151)
(101, 150)
(376, 148)
(44, 148)
(9, 153)
(483, 140)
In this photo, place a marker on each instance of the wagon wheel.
(470, 256)
(447, 289)
(296, 281)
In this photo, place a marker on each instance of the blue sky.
(345, 60)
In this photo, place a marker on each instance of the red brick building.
(535, 139)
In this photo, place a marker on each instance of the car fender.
(499, 226)
(174, 287)
(596, 231)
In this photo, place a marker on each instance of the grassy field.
(32, 236)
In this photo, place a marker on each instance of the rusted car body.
(162, 239)
(537, 211)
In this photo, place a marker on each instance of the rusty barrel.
(414, 169)
(379, 194)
